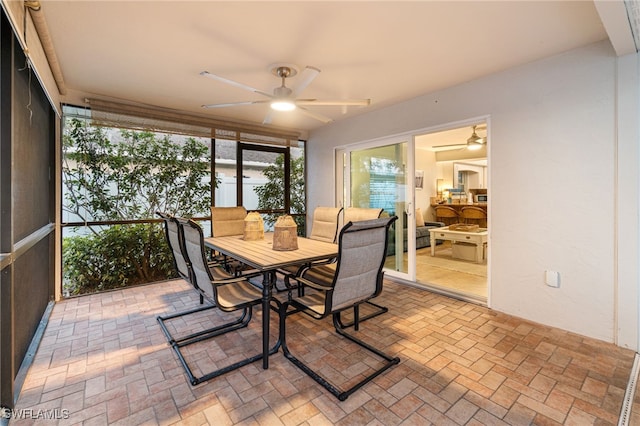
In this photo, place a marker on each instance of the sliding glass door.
(406, 175)
(379, 176)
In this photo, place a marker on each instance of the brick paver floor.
(104, 360)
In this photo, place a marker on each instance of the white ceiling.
(153, 51)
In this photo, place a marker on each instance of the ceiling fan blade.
(234, 83)
(318, 117)
(268, 117)
(306, 77)
(234, 104)
(337, 102)
(438, 148)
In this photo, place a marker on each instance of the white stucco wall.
(627, 202)
(552, 165)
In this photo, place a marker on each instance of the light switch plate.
(552, 278)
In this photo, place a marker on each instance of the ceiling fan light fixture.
(475, 142)
(284, 98)
(474, 146)
(283, 105)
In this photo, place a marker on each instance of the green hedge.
(116, 257)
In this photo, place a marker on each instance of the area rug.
(443, 260)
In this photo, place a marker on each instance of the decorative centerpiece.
(253, 227)
(465, 227)
(285, 234)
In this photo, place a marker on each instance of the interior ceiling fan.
(283, 97)
(473, 143)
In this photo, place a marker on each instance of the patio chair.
(356, 214)
(175, 241)
(222, 290)
(227, 221)
(323, 228)
(176, 245)
(171, 231)
(325, 224)
(355, 278)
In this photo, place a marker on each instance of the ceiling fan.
(283, 97)
(474, 142)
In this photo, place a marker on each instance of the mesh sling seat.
(228, 221)
(356, 277)
(222, 290)
(175, 241)
(356, 214)
(325, 224)
(323, 228)
(171, 231)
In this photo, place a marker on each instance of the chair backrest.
(325, 224)
(356, 214)
(176, 245)
(227, 221)
(446, 214)
(471, 212)
(361, 256)
(445, 211)
(194, 245)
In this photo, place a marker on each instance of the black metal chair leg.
(178, 343)
(197, 380)
(335, 391)
(240, 322)
(356, 315)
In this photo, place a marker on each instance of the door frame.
(342, 181)
(343, 195)
(244, 146)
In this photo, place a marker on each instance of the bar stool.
(471, 214)
(446, 214)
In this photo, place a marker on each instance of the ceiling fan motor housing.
(283, 71)
(282, 92)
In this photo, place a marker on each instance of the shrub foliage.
(271, 196)
(122, 175)
(118, 256)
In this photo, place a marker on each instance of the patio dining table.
(260, 255)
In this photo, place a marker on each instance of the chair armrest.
(314, 285)
(232, 280)
(226, 276)
(324, 262)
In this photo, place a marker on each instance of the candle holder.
(253, 227)
(285, 234)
